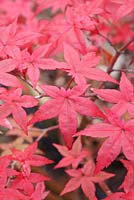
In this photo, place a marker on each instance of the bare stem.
(44, 131)
(105, 188)
(69, 83)
(110, 69)
(29, 84)
(118, 53)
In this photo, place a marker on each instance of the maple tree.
(71, 63)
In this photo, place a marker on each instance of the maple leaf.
(85, 177)
(116, 196)
(20, 8)
(119, 136)
(13, 103)
(55, 4)
(5, 171)
(9, 193)
(121, 196)
(126, 7)
(35, 61)
(7, 79)
(72, 156)
(62, 29)
(67, 104)
(85, 68)
(26, 158)
(69, 27)
(123, 99)
(129, 195)
(29, 63)
(12, 39)
(128, 183)
(39, 193)
(25, 183)
(80, 18)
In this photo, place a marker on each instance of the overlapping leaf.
(13, 103)
(85, 68)
(120, 137)
(85, 177)
(123, 99)
(67, 103)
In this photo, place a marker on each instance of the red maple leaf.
(12, 38)
(119, 134)
(128, 183)
(123, 99)
(20, 8)
(27, 158)
(85, 177)
(28, 63)
(39, 192)
(125, 8)
(32, 63)
(13, 103)
(9, 193)
(71, 156)
(121, 196)
(26, 183)
(85, 68)
(6, 66)
(54, 4)
(5, 171)
(66, 104)
(117, 196)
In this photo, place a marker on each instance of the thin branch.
(118, 53)
(44, 131)
(110, 69)
(30, 85)
(69, 83)
(106, 38)
(105, 188)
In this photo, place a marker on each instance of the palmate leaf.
(55, 4)
(128, 183)
(85, 68)
(27, 158)
(123, 99)
(12, 194)
(72, 156)
(39, 192)
(7, 79)
(67, 103)
(12, 38)
(125, 8)
(119, 137)
(85, 177)
(25, 183)
(121, 196)
(13, 103)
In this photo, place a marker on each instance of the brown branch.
(44, 131)
(105, 188)
(118, 53)
(69, 83)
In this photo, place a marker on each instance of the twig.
(69, 83)
(45, 131)
(29, 84)
(105, 188)
(107, 39)
(118, 53)
(110, 69)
